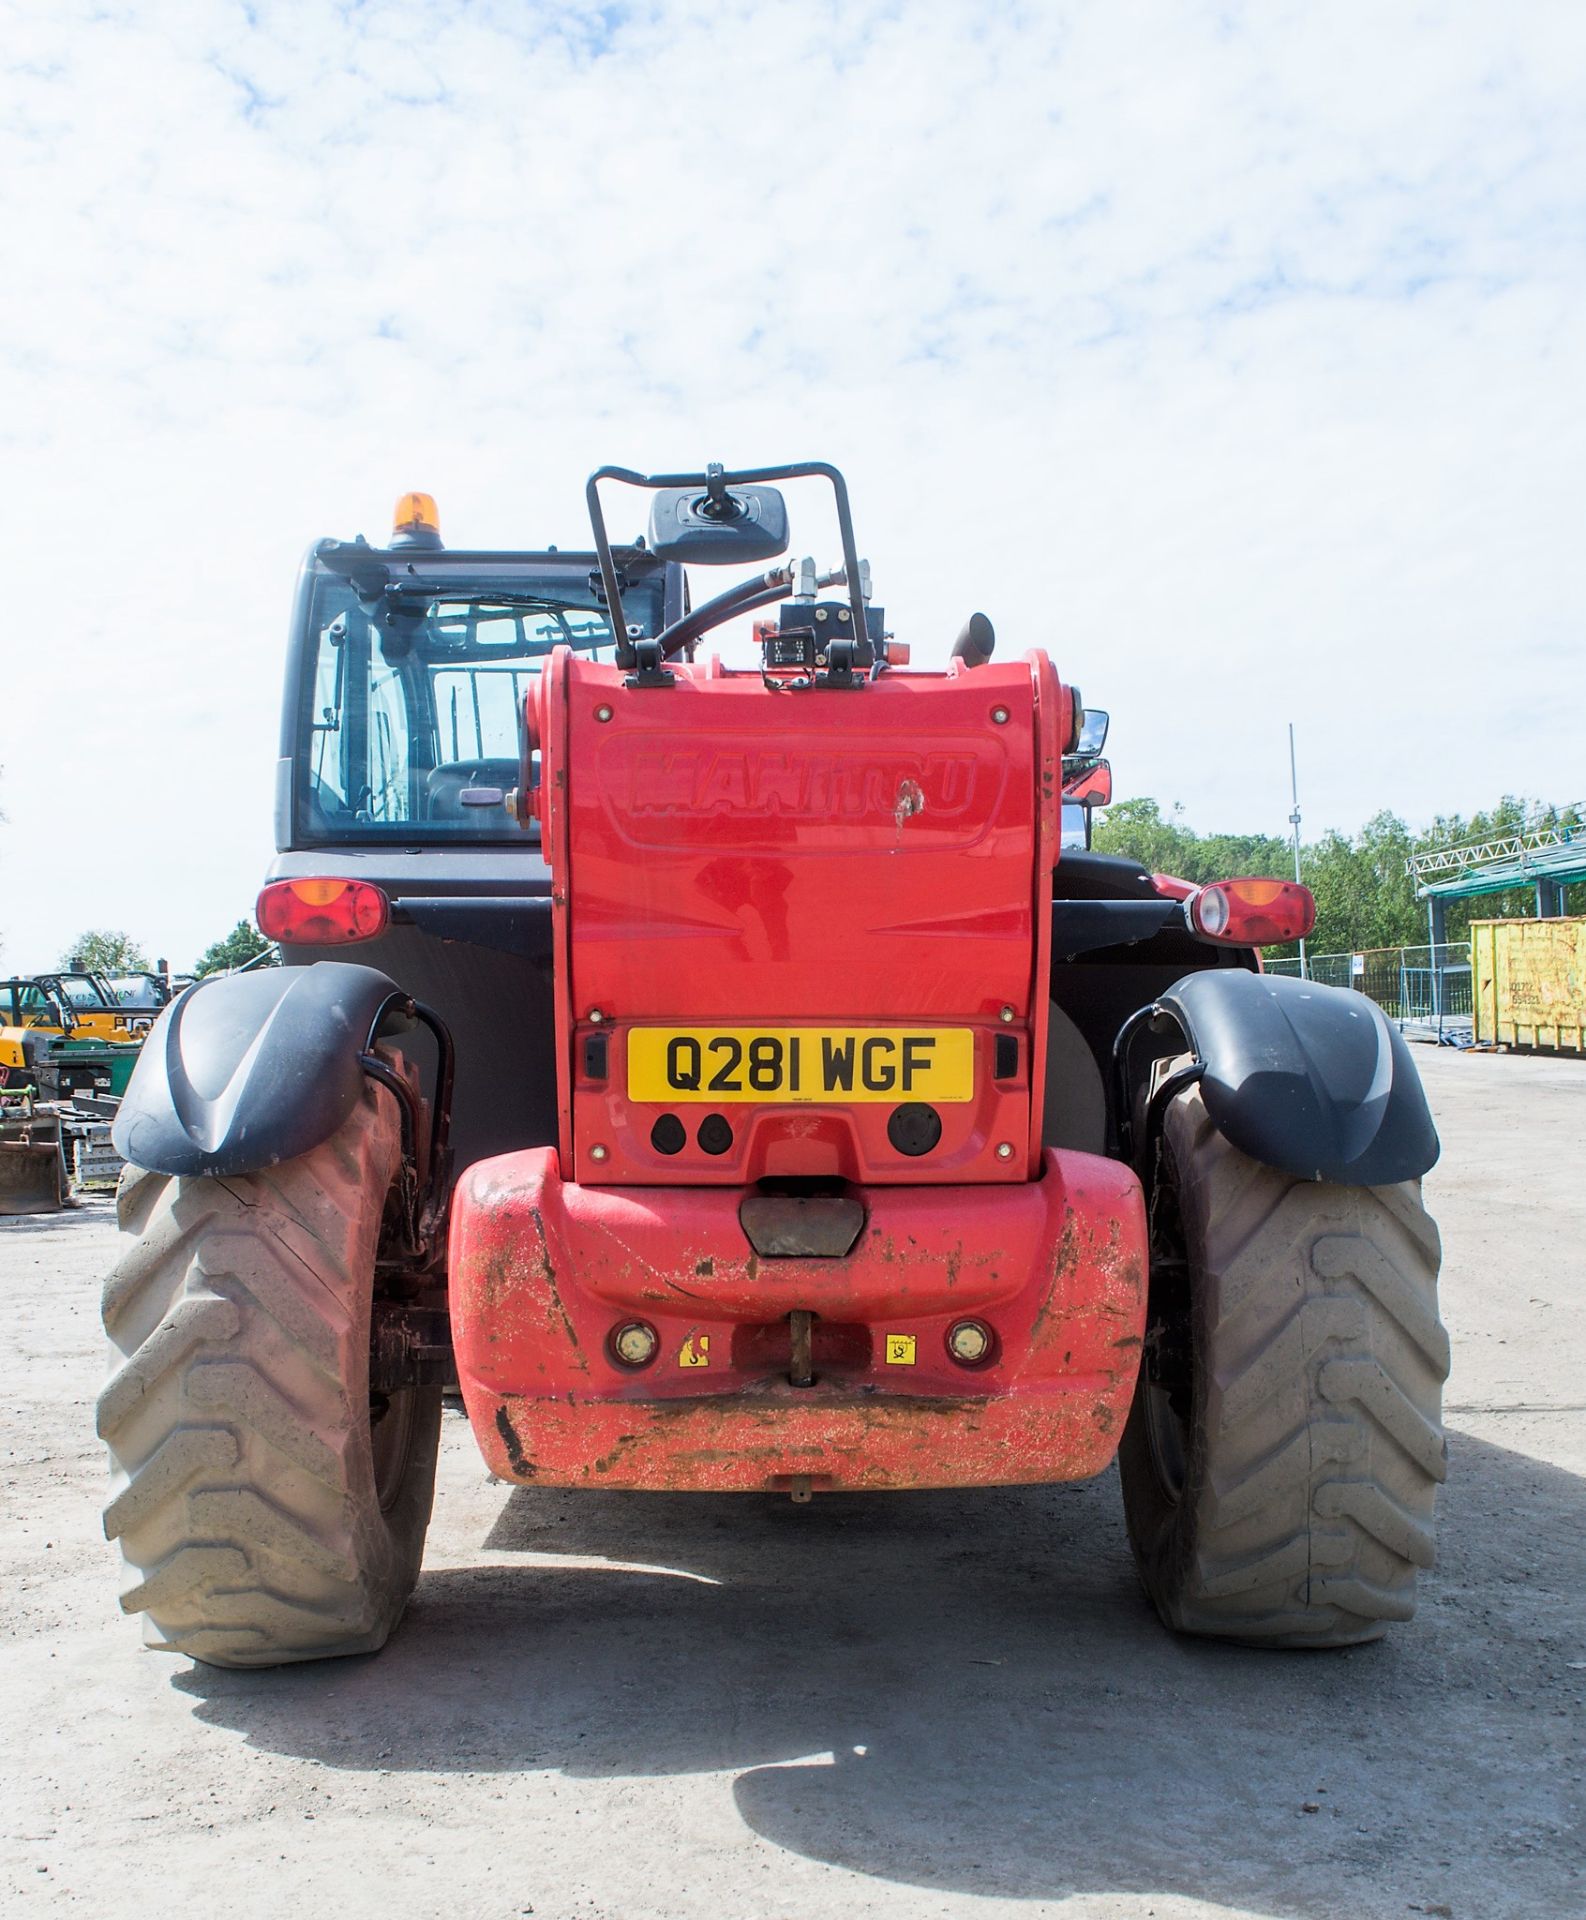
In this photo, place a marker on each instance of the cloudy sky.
(1236, 354)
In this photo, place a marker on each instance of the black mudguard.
(252, 1069)
(1315, 1081)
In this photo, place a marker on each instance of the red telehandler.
(726, 1078)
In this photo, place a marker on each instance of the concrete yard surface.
(650, 1707)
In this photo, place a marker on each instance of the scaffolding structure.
(1548, 858)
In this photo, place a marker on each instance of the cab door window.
(387, 796)
(412, 711)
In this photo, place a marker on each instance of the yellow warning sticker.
(695, 1351)
(900, 1349)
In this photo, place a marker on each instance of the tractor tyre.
(268, 1506)
(1283, 1452)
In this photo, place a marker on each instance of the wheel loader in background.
(726, 1077)
(47, 1044)
(121, 1010)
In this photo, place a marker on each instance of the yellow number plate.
(669, 1065)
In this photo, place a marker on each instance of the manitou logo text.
(760, 784)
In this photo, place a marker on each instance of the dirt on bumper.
(544, 1273)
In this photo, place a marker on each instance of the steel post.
(1294, 822)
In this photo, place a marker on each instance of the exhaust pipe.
(975, 641)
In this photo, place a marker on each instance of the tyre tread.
(243, 1497)
(1313, 1480)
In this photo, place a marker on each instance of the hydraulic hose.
(743, 596)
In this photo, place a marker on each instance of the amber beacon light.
(416, 521)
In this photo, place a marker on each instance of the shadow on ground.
(966, 1692)
(84, 1214)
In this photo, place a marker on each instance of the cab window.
(414, 702)
(36, 1008)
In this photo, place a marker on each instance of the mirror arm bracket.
(649, 668)
(749, 476)
(716, 487)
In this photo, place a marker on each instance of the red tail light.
(1252, 913)
(322, 913)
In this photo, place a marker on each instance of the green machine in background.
(43, 1044)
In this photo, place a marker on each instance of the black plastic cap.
(914, 1128)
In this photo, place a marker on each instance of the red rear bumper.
(543, 1272)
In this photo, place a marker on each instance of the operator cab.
(410, 666)
(407, 677)
(28, 1002)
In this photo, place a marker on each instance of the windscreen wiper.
(417, 590)
(401, 596)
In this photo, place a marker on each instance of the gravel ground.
(626, 1706)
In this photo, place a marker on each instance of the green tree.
(105, 950)
(242, 944)
(1138, 829)
(1365, 893)
(1161, 844)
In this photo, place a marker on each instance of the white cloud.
(1233, 353)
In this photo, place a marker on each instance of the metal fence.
(1427, 987)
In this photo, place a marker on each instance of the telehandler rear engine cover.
(798, 929)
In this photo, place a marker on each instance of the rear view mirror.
(716, 525)
(1093, 731)
(1094, 788)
